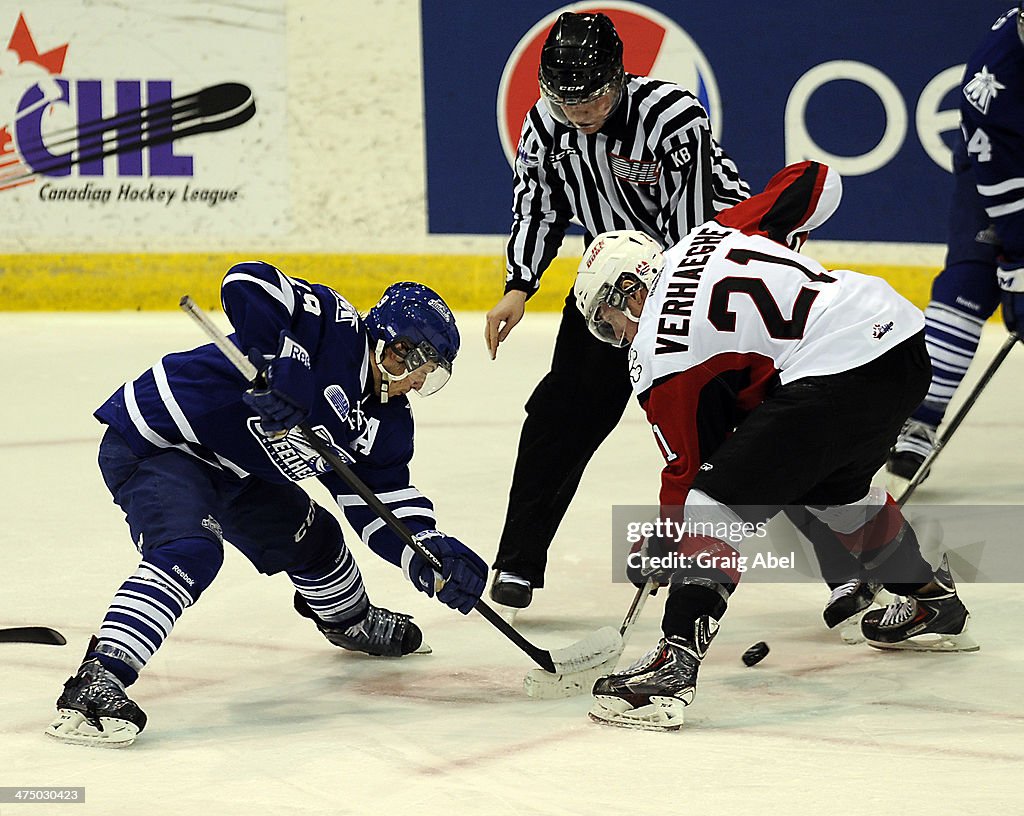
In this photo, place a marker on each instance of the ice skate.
(95, 711)
(848, 604)
(936, 622)
(915, 442)
(381, 633)
(652, 693)
(511, 593)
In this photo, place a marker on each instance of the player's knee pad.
(191, 563)
(863, 526)
(875, 531)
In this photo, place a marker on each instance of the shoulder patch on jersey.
(880, 330)
(338, 400)
(982, 89)
(526, 159)
(635, 171)
(344, 311)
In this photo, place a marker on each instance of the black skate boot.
(848, 599)
(652, 693)
(915, 442)
(510, 589)
(936, 622)
(381, 633)
(94, 710)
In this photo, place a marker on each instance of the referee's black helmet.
(581, 59)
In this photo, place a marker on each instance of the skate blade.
(73, 728)
(424, 648)
(542, 685)
(662, 714)
(507, 613)
(933, 642)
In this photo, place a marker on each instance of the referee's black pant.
(570, 413)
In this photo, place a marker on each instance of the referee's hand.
(502, 319)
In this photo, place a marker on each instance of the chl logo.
(50, 125)
(654, 45)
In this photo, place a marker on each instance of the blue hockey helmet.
(416, 317)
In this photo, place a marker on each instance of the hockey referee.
(607, 150)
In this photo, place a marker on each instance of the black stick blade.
(32, 634)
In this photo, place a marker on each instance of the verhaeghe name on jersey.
(681, 291)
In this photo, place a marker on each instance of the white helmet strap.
(386, 377)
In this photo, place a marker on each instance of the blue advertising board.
(866, 86)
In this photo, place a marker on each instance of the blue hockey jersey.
(192, 401)
(992, 116)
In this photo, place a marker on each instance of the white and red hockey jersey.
(735, 311)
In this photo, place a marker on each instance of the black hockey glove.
(283, 391)
(463, 572)
(640, 564)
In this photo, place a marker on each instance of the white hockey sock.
(335, 593)
(952, 338)
(140, 617)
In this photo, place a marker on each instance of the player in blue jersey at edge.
(985, 252)
(195, 455)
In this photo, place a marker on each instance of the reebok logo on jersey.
(292, 350)
(882, 329)
(981, 90)
(183, 575)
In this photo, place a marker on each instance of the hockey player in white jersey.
(770, 382)
(196, 456)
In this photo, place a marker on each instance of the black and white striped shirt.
(654, 166)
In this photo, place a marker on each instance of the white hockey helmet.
(614, 264)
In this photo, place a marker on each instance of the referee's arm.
(540, 216)
(700, 181)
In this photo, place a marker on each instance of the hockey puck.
(756, 653)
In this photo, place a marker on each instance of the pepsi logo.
(653, 45)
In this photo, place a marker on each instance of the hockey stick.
(593, 650)
(546, 686)
(958, 418)
(32, 634)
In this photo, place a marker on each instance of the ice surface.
(252, 712)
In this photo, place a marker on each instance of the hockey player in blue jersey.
(195, 455)
(985, 253)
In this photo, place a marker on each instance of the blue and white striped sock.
(139, 619)
(952, 337)
(334, 592)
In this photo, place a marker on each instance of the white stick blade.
(542, 685)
